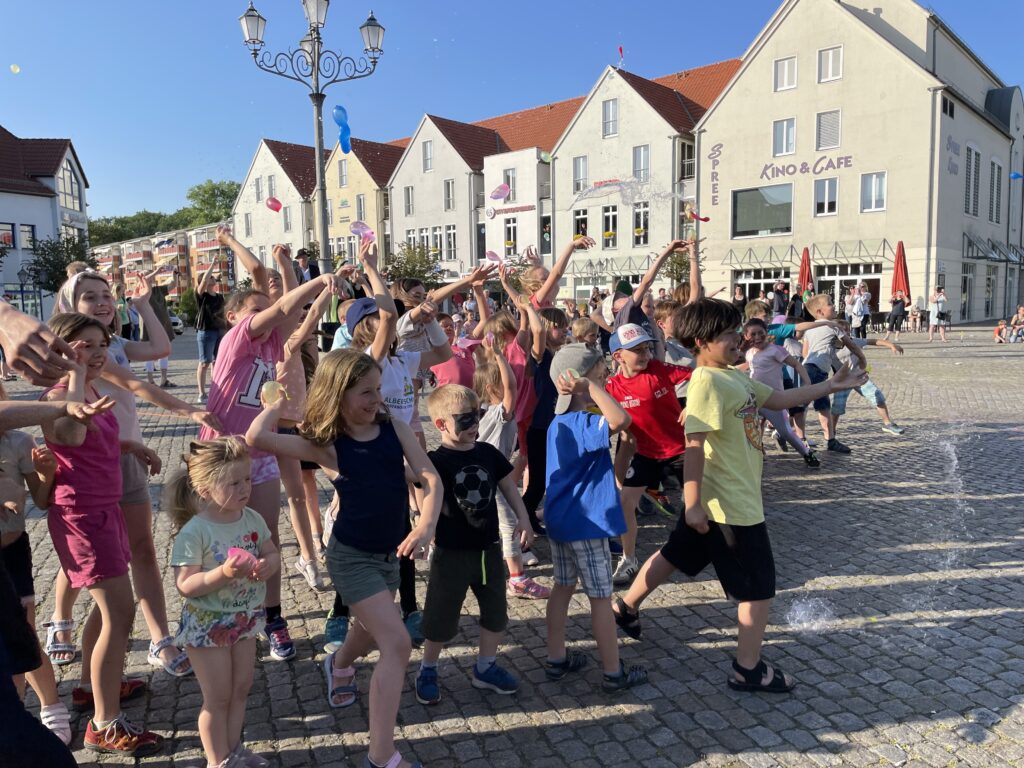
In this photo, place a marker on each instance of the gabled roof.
(472, 142)
(379, 160)
(702, 84)
(535, 127)
(677, 110)
(298, 161)
(24, 161)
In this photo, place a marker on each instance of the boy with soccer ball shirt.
(467, 544)
(646, 390)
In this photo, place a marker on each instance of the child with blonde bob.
(222, 556)
(585, 331)
(348, 431)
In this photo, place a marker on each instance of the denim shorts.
(868, 391)
(208, 341)
(817, 376)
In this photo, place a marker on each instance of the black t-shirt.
(547, 393)
(211, 305)
(899, 308)
(469, 517)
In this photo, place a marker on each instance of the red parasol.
(805, 281)
(900, 280)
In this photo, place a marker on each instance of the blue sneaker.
(414, 626)
(281, 646)
(495, 679)
(427, 689)
(335, 632)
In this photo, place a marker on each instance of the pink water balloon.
(358, 227)
(369, 236)
(245, 557)
(492, 256)
(500, 192)
(273, 204)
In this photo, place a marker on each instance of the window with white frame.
(258, 186)
(428, 156)
(972, 181)
(449, 194)
(330, 215)
(948, 108)
(829, 126)
(449, 242)
(361, 207)
(408, 201)
(579, 173)
(435, 241)
(271, 186)
(642, 162)
(995, 192)
(579, 222)
(287, 213)
(830, 64)
(610, 226)
(511, 236)
(641, 221)
(784, 137)
(509, 177)
(688, 162)
(352, 247)
(762, 211)
(263, 254)
(872, 192)
(424, 238)
(609, 117)
(826, 197)
(27, 235)
(410, 237)
(343, 173)
(247, 221)
(7, 234)
(785, 74)
(68, 188)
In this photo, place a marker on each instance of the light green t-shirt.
(205, 543)
(723, 403)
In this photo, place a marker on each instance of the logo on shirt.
(633, 402)
(474, 489)
(751, 423)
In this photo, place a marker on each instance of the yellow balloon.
(15, 69)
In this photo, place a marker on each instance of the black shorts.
(645, 472)
(452, 573)
(741, 554)
(17, 557)
(302, 462)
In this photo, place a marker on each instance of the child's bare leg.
(42, 679)
(603, 622)
(291, 477)
(825, 419)
(312, 494)
(115, 603)
(489, 642)
(432, 651)
(753, 618)
(630, 498)
(63, 609)
(555, 619)
(214, 670)
(243, 665)
(655, 572)
(90, 636)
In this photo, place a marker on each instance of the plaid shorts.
(588, 561)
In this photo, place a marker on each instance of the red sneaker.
(121, 737)
(131, 688)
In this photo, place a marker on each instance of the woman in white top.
(937, 314)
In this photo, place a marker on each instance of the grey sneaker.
(893, 428)
(626, 572)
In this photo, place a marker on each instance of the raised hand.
(368, 253)
(143, 287)
(83, 412)
(44, 462)
(224, 236)
(584, 243)
(32, 350)
(482, 274)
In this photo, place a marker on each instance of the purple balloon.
(358, 227)
(369, 236)
(500, 192)
(492, 256)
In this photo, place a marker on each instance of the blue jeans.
(868, 391)
(208, 342)
(817, 375)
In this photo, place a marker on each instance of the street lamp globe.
(306, 44)
(252, 28)
(22, 275)
(373, 37)
(316, 11)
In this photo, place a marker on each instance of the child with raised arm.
(347, 430)
(89, 532)
(222, 556)
(723, 523)
(583, 512)
(467, 551)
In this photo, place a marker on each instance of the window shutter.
(828, 130)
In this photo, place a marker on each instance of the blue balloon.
(345, 138)
(1016, 175)
(340, 115)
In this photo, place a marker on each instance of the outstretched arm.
(286, 309)
(158, 345)
(252, 265)
(282, 257)
(262, 434)
(125, 379)
(696, 285)
(652, 271)
(550, 287)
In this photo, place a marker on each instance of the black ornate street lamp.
(315, 68)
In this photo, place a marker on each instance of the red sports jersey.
(650, 398)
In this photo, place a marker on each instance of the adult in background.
(158, 301)
(780, 298)
(937, 314)
(739, 298)
(896, 315)
(307, 270)
(209, 324)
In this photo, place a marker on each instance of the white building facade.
(523, 218)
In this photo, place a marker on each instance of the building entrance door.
(756, 281)
(838, 279)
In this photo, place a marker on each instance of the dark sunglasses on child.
(464, 421)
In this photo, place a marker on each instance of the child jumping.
(222, 556)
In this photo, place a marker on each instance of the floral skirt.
(201, 628)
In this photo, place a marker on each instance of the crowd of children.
(526, 408)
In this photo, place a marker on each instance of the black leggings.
(895, 323)
(406, 584)
(537, 455)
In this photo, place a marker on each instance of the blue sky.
(159, 96)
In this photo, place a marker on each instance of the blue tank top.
(374, 495)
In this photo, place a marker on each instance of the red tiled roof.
(298, 161)
(535, 127)
(702, 84)
(672, 105)
(472, 142)
(403, 143)
(23, 161)
(379, 160)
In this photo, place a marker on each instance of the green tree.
(414, 261)
(48, 267)
(212, 200)
(107, 229)
(677, 268)
(188, 306)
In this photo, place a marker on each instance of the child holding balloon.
(222, 556)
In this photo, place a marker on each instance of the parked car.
(176, 324)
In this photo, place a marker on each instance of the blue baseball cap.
(360, 308)
(628, 336)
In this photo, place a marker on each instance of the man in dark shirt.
(209, 324)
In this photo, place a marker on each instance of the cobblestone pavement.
(899, 610)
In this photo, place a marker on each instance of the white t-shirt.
(820, 346)
(497, 431)
(124, 401)
(396, 386)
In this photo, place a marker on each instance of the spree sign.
(819, 166)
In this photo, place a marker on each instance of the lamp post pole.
(315, 68)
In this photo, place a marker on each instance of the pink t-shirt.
(766, 365)
(243, 366)
(460, 369)
(526, 397)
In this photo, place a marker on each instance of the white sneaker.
(626, 572)
(530, 559)
(200, 399)
(310, 573)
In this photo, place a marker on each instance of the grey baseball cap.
(577, 357)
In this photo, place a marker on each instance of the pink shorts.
(91, 544)
(265, 470)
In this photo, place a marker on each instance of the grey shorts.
(358, 575)
(588, 561)
(134, 481)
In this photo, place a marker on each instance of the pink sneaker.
(527, 588)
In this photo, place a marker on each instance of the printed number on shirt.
(260, 374)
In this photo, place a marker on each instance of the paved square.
(899, 610)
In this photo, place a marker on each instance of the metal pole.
(317, 97)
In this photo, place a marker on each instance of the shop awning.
(612, 265)
(978, 248)
(836, 252)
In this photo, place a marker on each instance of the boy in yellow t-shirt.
(723, 523)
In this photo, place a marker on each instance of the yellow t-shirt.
(723, 403)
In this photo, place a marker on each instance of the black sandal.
(752, 679)
(628, 621)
